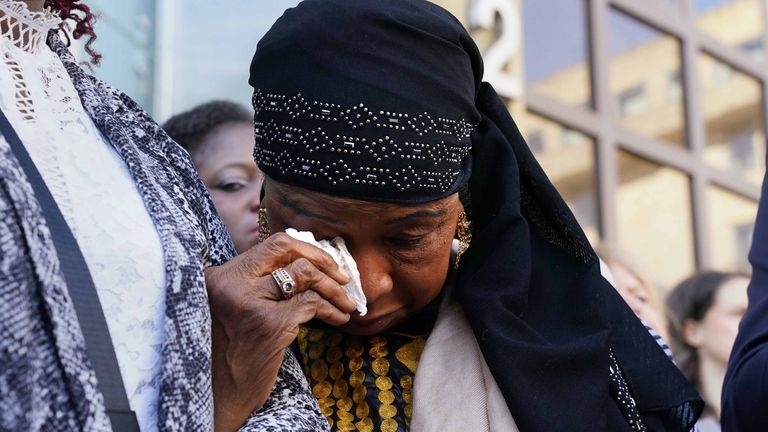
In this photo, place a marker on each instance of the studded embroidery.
(621, 393)
(358, 145)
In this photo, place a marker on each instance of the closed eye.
(406, 242)
(231, 187)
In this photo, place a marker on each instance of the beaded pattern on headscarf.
(392, 149)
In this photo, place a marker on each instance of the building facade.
(170, 55)
(649, 116)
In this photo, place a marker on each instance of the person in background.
(637, 292)
(219, 137)
(704, 314)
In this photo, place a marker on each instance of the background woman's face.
(402, 252)
(225, 164)
(638, 296)
(721, 322)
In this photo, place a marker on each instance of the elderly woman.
(371, 119)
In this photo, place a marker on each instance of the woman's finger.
(280, 250)
(308, 277)
(308, 305)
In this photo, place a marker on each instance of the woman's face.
(715, 334)
(402, 251)
(636, 294)
(225, 164)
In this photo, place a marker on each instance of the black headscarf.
(545, 319)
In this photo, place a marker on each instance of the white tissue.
(337, 249)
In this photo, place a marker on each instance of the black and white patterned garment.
(660, 341)
(46, 381)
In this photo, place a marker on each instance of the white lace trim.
(23, 99)
(26, 29)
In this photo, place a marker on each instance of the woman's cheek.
(226, 206)
(426, 280)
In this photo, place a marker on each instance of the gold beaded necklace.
(362, 384)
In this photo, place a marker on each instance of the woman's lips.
(370, 325)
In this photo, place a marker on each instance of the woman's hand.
(253, 324)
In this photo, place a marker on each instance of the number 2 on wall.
(482, 14)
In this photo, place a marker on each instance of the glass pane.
(654, 224)
(126, 33)
(206, 64)
(672, 6)
(731, 105)
(557, 50)
(215, 64)
(731, 222)
(645, 80)
(736, 23)
(568, 158)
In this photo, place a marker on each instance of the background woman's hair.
(190, 127)
(690, 300)
(83, 18)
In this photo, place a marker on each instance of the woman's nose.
(254, 198)
(374, 270)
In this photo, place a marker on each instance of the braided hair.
(190, 128)
(84, 19)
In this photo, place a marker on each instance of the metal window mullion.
(764, 13)
(657, 17)
(682, 27)
(576, 118)
(696, 133)
(730, 182)
(735, 57)
(605, 152)
(660, 153)
(764, 83)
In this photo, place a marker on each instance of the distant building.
(649, 118)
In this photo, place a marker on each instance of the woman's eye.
(407, 242)
(231, 186)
